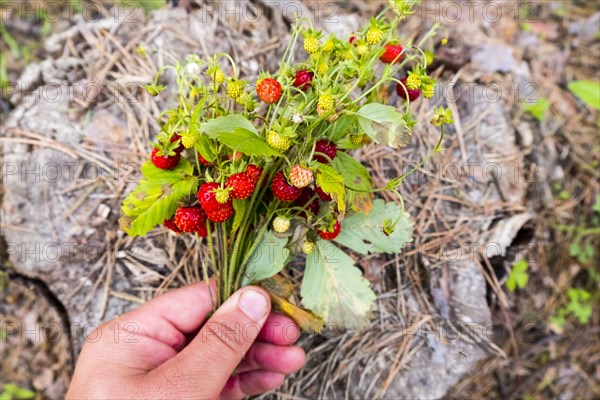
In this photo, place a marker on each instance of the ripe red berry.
(181, 147)
(327, 148)
(254, 172)
(204, 161)
(269, 90)
(322, 195)
(207, 197)
(283, 190)
(303, 201)
(170, 223)
(401, 89)
(392, 54)
(303, 79)
(190, 219)
(221, 214)
(331, 233)
(242, 185)
(165, 162)
(352, 39)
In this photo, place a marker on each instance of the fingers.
(173, 315)
(269, 357)
(279, 330)
(217, 349)
(251, 383)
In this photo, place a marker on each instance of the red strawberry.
(283, 190)
(352, 39)
(190, 219)
(327, 148)
(303, 79)
(204, 161)
(332, 232)
(170, 223)
(304, 199)
(322, 195)
(181, 147)
(392, 54)
(254, 172)
(207, 197)
(401, 89)
(242, 185)
(221, 214)
(269, 90)
(165, 162)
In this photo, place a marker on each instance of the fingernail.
(254, 304)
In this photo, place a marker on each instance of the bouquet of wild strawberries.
(264, 173)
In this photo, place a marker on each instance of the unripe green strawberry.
(324, 104)
(221, 195)
(281, 224)
(413, 82)
(374, 35)
(300, 177)
(428, 91)
(328, 46)
(278, 142)
(216, 74)
(308, 247)
(322, 68)
(235, 88)
(311, 45)
(188, 140)
(356, 139)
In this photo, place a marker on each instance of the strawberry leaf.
(357, 180)
(384, 125)
(332, 183)
(227, 123)
(334, 288)
(157, 196)
(246, 142)
(365, 234)
(269, 257)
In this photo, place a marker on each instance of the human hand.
(164, 349)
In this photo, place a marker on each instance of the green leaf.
(384, 125)
(357, 179)
(332, 183)
(240, 212)
(364, 233)
(227, 123)
(247, 142)
(518, 277)
(334, 288)
(537, 109)
(268, 258)
(202, 146)
(156, 197)
(341, 127)
(15, 392)
(587, 91)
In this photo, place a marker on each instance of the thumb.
(204, 366)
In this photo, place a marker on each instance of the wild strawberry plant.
(263, 173)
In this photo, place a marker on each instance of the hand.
(164, 349)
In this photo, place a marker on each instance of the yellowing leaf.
(332, 183)
(364, 233)
(334, 288)
(307, 320)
